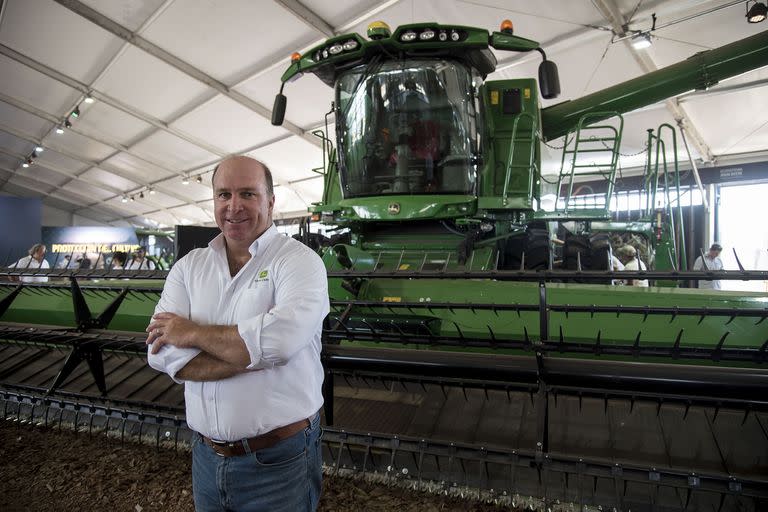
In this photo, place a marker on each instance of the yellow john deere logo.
(394, 208)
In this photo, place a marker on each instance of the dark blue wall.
(20, 223)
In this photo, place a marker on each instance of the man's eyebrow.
(244, 189)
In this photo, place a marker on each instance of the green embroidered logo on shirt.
(263, 274)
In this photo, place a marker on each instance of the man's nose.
(234, 204)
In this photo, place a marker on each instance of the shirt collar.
(217, 244)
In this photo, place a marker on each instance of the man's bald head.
(245, 160)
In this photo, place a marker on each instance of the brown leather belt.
(271, 438)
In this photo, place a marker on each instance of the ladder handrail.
(510, 155)
(577, 139)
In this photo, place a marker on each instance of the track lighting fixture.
(124, 199)
(199, 179)
(29, 160)
(641, 40)
(59, 130)
(133, 198)
(39, 149)
(67, 124)
(89, 99)
(141, 195)
(757, 12)
(76, 113)
(185, 180)
(151, 191)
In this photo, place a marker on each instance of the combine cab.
(467, 351)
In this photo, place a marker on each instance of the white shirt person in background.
(710, 261)
(633, 263)
(35, 259)
(140, 261)
(240, 323)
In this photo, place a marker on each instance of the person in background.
(35, 259)
(633, 263)
(710, 261)
(240, 323)
(84, 262)
(616, 266)
(118, 260)
(64, 262)
(140, 261)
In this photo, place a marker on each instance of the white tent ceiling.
(179, 84)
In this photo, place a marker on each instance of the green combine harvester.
(475, 343)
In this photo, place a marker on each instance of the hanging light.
(641, 40)
(757, 12)
(199, 179)
(59, 130)
(67, 124)
(185, 180)
(76, 113)
(124, 199)
(39, 149)
(151, 191)
(141, 195)
(89, 99)
(133, 198)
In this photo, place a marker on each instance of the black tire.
(577, 248)
(534, 243)
(600, 251)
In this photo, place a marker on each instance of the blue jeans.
(285, 477)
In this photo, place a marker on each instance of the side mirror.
(549, 80)
(278, 109)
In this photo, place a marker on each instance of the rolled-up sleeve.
(295, 320)
(174, 299)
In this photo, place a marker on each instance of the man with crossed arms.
(239, 322)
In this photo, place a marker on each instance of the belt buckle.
(218, 444)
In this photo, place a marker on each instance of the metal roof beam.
(92, 164)
(122, 32)
(612, 14)
(309, 17)
(113, 102)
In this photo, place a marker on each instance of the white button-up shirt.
(278, 301)
(707, 263)
(30, 262)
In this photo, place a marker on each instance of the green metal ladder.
(658, 174)
(600, 142)
(531, 140)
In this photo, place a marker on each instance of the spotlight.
(39, 149)
(641, 40)
(67, 124)
(133, 198)
(141, 195)
(59, 130)
(124, 199)
(199, 179)
(757, 12)
(89, 100)
(25, 164)
(76, 113)
(185, 180)
(151, 191)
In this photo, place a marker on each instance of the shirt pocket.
(254, 301)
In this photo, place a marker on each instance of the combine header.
(466, 350)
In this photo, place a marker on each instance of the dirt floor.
(49, 470)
